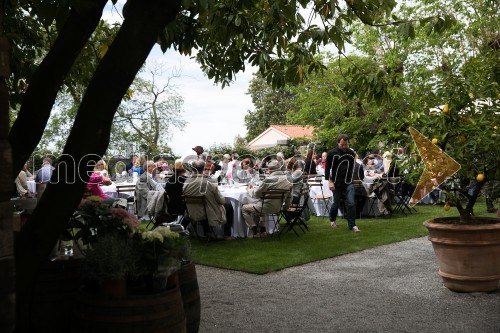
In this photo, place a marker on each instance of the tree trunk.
(47, 79)
(7, 271)
(89, 136)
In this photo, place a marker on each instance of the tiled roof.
(295, 131)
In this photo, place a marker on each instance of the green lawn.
(264, 255)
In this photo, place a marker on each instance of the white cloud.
(214, 115)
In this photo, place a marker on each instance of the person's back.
(42, 176)
(174, 189)
(22, 184)
(277, 180)
(199, 185)
(310, 164)
(294, 175)
(45, 172)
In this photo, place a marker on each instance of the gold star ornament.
(439, 166)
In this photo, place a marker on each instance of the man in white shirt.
(42, 176)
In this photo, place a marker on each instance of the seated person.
(93, 186)
(101, 168)
(22, 182)
(390, 167)
(276, 180)
(210, 166)
(233, 165)
(146, 183)
(294, 175)
(263, 164)
(200, 185)
(130, 164)
(321, 164)
(310, 164)
(43, 175)
(246, 174)
(280, 157)
(371, 168)
(173, 188)
(224, 164)
(138, 166)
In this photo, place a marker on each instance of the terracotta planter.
(469, 255)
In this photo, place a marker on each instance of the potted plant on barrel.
(117, 249)
(104, 236)
(466, 128)
(127, 268)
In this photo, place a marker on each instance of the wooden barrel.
(160, 312)
(190, 296)
(57, 285)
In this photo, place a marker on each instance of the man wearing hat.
(200, 152)
(277, 180)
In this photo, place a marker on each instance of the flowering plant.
(116, 246)
(162, 250)
(103, 234)
(94, 219)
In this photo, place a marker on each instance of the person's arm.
(154, 185)
(95, 178)
(361, 172)
(219, 198)
(328, 166)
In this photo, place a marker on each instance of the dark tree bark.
(46, 81)
(7, 271)
(90, 135)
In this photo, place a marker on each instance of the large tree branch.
(46, 81)
(90, 135)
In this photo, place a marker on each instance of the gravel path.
(392, 288)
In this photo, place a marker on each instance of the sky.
(213, 115)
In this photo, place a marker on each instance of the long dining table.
(321, 198)
(238, 195)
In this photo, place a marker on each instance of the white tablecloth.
(110, 190)
(31, 186)
(320, 207)
(238, 195)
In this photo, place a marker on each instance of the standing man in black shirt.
(340, 163)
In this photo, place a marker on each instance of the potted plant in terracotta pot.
(466, 128)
